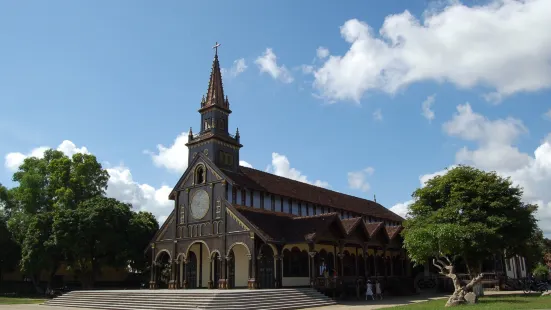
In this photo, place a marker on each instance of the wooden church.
(238, 227)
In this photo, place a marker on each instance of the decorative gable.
(234, 224)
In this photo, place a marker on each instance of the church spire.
(215, 92)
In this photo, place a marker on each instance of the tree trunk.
(447, 269)
(478, 288)
(36, 284)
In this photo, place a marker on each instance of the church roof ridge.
(330, 197)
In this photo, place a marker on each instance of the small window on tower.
(200, 175)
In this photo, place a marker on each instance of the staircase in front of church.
(269, 299)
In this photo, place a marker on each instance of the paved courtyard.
(356, 305)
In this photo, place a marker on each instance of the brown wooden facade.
(234, 226)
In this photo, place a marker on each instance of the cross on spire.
(216, 48)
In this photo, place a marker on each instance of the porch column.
(251, 284)
(312, 255)
(341, 263)
(184, 265)
(227, 272)
(211, 283)
(222, 281)
(392, 261)
(173, 275)
(181, 274)
(356, 264)
(375, 263)
(278, 270)
(200, 265)
(366, 265)
(153, 269)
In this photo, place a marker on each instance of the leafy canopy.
(46, 186)
(10, 252)
(469, 213)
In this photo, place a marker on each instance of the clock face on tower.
(200, 204)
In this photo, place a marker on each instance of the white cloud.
(245, 164)
(378, 115)
(13, 160)
(426, 177)
(322, 52)
(143, 197)
(120, 185)
(494, 138)
(496, 152)
(239, 66)
(268, 63)
(548, 114)
(173, 158)
(402, 209)
(503, 45)
(282, 167)
(426, 107)
(358, 179)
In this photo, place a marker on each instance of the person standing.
(378, 291)
(369, 290)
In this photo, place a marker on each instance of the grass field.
(18, 301)
(529, 301)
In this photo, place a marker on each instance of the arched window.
(295, 263)
(200, 174)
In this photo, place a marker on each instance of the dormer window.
(200, 174)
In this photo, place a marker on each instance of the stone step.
(267, 299)
(180, 298)
(289, 305)
(194, 301)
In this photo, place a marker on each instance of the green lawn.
(17, 300)
(529, 301)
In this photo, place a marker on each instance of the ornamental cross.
(216, 48)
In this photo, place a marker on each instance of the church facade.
(234, 227)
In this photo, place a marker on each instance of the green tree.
(143, 226)
(10, 253)
(46, 186)
(467, 213)
(103, 232)
(94, 235)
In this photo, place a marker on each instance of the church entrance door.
(266, 268)
(192, 270)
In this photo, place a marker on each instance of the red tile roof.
(263, 181)
(283, 227)
(393, 231)
(372, 228)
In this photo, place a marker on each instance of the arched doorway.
(191, 270)
(266, 267)
(163, 269)
(238, 266)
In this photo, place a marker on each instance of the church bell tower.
(214, 139)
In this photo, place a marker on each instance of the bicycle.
(535, 286)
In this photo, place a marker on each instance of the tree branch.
(437, 266)
(473, 282)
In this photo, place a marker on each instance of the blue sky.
(322, 92)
